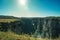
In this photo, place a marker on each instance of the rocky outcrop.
(45, 27)
(51, 28)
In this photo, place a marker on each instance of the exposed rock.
(45, 27)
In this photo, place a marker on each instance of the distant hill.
(8, 17)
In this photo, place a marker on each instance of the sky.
(30, 8)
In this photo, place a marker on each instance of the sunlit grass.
(13, 36)
(8, 20)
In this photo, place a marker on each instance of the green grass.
(13, 36)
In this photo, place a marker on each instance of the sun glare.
(22, 2)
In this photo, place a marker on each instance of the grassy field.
(8, 20)
(13, 36)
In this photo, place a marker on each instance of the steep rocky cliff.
(45, 27)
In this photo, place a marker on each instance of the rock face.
(51, 28)
(45, 27)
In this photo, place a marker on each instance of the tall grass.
(13, 36)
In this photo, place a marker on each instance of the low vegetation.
(13, 36)
(8, 20)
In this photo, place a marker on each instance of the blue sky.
(31, 8)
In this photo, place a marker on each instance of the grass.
(8, 20)
(13, 36)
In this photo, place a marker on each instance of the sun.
(22, 2)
